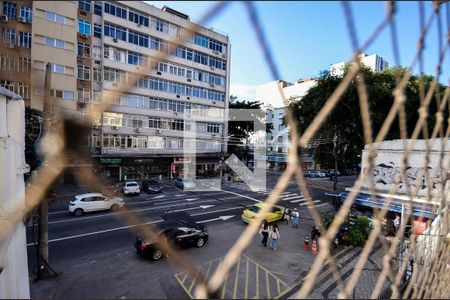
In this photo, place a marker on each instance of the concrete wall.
(387, 167)
(14, 281)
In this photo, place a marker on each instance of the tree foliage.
(345, 119)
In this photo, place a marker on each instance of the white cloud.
(243, 91)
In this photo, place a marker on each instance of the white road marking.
(298, 200)
(191, 208)
(293, 197)
(191, 199)
(223, 218)
(159, 197)
(315, 201)
(131, 226)
(243, 196)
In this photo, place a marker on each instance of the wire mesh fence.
(430, 278)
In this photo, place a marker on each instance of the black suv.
(177, 228)
(152, 186)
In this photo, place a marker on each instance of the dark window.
(10, 10)
(98, 30)
(98, 9)
(84, 6)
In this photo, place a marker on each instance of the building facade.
(375, 62)
(93, 48)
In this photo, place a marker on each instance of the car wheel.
(200, 242)
(114, 207)
(78, 212)
(157, 255)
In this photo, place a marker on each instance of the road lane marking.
(293, 197)
(119, 213)
(236, 279)
(298, 200)
(306, 203)
(243, 196)
(223, 218)
(129, 226)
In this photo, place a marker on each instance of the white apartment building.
(374, 62)
(95, 45)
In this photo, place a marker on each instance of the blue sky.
(306, 37)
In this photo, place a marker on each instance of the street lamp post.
(335, 160)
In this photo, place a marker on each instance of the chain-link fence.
(430, 278)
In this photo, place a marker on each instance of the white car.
(131, 187)
(93, 202)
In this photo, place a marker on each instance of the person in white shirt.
(274, 235)
(294, 218)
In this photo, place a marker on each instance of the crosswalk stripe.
(294, 197)
(298, 200)
(306, 203)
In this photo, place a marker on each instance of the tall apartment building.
(93, 46)
(374, 62)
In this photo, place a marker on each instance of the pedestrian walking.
(294, 218)
(274, 235)
(287, 215)
(397, 222)
(264, 232)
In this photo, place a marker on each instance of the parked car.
(250, 213)
(152, 186)
(317, 174)
(181, 230)
(131, 187)
(93, 202)
(184, 183)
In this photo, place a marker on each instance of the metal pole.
(335, 160)
(43, 270)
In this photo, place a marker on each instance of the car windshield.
(254, 209)
(187, 181)
(131, 184)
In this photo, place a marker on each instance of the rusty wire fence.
(433, 281)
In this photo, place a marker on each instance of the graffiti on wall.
(389, 173)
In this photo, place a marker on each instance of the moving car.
(152, 186)
(131, 187)
(179, 229)
(93, 202)
(184, 183)
(250, 213)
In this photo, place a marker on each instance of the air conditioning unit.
(158, 73)
(11, 45)
(215, 52)
(214, 102)
(84, 36)
(158, 131)
(4, 18)
(178, 96)
(212, 84)
(212, 68)
(80, 58)
(189, 80)
(138, 129)
(81, 105)
(175, 113)
(22, 20)
(189, 98)
(82, 12)
(139, 25)
(114, 128)
(115, 84)
(115, 40)
(224, 55)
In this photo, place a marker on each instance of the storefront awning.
(394, 206)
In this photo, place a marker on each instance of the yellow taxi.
(250, 213)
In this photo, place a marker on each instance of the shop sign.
(144, 160)
(110, 161)
(181, 160)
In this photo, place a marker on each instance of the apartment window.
(174, 30)
(98, 9)
(58, 69)
(280, 139)
(7, 85)
(84, 50)
(97, 74)
(10, 10)
(84, 6)
(7, 62)
(97, 30)
(138, 18)
(200, 58)
(23, 89)
(26, 14)
(25, 39)
(54, 42)
(201, 40)
(52, 17)
(24, 64)
(280, 127)
(84, 27)
(159, 25)
(212, 128)
(115, 10)
(83, 72)
(9, 36)
(280, 149)
(138, 39)
(115, 31)
(215, 45)
(68, 95)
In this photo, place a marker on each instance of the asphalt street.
(103, 236)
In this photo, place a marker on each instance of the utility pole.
(335, 159)
(42, 263)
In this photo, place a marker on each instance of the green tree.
(345, 119)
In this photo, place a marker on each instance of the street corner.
(247, 279)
